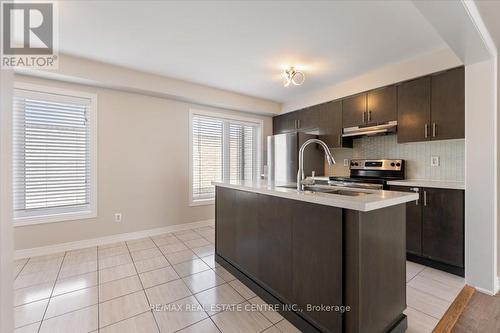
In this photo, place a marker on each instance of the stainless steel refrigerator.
(282, 157)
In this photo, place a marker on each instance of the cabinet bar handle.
(425, 198)
(426, 130)
(298, 123)
(416, 190)
(434, 130)
(340, 140)
(364, 116)
(369, 116)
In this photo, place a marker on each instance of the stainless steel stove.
(371, 174)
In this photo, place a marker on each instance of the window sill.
(54, 218)
(204, 202)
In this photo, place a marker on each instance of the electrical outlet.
(118, 217)
(346, 162)
(434, 161)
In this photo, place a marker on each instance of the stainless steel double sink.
(328, 189)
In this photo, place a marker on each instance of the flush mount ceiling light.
(293, 76)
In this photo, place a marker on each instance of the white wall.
(481, 175)
(6, 232)
(415, 67)
(142, 168)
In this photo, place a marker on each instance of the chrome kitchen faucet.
(300, 174)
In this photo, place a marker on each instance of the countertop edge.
(321, 198)
(429, 183)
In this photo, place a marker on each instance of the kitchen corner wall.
(417, 156)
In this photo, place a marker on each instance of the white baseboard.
(50, 249)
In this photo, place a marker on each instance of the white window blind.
(52, 154)
(222, 149)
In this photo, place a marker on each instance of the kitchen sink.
(324, 189)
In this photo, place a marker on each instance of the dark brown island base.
(315, 260)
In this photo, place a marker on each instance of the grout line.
(142, 285)
(52, 291)
(19, 273)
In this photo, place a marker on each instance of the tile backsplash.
(417, 156)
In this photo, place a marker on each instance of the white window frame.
(92, 119)
(225, 116)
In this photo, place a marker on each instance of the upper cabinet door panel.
(414, 110)
(354, 111)
(285, 123)
(308, 118)
(330, 120)
(382, 105)
(448, 105)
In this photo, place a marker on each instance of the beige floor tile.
(77, 269)
(204, 326)
(151, 264)
(426, 303)
(223, 273)
(117, 272)
(443, 277)
(171, 248)
(166, 241)
(286, 327)
(210, 261)
(121, 308)
(219, 298)
(181, 256)
(73, 258)
(174, 320)
(412, 269)
(71, 301)
(113, 261)
(203, 281)
(168, 292)
(267, 310)
(75, 283)
(241, 321)
(204, 251)
(28, 280)
(110, 245)
(204, 228)
(86, 250)
(160, 236)
(47, 257)
(143, 323)
(141, 245)
(190, 267)
(182, 232)
(272, 329)
(113, 251)
(158, 276)
(80, 321)
(32, 328)
(119, 288)
(419, 322)
(433, 287)
(33, 293)
(146, 254)
(197, 243)
(29, 313)
(188, 236)
(44, 265)
(242, 289)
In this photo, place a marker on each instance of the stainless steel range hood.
(370, 130)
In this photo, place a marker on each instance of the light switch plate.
(118, 217)
(434, 161)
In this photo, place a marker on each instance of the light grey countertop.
(374, 199)
(454, 185)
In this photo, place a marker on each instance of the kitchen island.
(332, 262)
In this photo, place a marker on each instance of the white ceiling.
(242, 45)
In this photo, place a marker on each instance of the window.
(54, 155)
(222, 149)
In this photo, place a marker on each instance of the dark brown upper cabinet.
(285, 123)
(448, 105)
(330, 125)
(382, 105)
(414, 110)
(308, 118)
(354, 110)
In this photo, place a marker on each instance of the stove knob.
(352, 163)
(356, 164)
(398, 164)
(393, 164)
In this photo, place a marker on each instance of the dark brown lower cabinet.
(435, 227)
